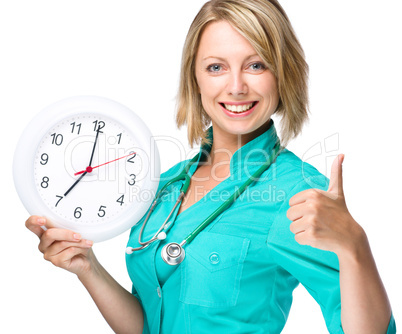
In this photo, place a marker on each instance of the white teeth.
(239, 108)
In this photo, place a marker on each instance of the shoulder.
(172, 172)
(294, 175)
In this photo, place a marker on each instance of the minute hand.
(93, 149)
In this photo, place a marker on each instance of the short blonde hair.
(266, 26)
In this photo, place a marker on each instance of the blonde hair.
(266, 26)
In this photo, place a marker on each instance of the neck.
(226, 144)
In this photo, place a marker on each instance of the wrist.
(357, 249)
(92, 271)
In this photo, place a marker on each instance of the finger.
(57, 234)
(296, 211)
(305, 195)
(299, 198)
(299, 226)
(336, 179)
(35, 224)
(38, 225)
(303, 238)
(57, 247)
(64, 258)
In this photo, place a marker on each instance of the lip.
(241, 114)
(237, 103)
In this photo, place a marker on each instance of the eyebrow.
(223, 59)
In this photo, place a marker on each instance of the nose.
(237, 84)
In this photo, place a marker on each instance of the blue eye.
(214, 68)
(257, 66)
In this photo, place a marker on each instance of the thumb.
(336, 179)
(38, 224)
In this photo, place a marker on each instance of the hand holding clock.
(56, 140)
(63, 248)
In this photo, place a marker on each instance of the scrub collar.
(248, 157)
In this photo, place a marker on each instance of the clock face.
(81, 186)
(87, 164)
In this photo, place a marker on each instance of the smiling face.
(237, 90)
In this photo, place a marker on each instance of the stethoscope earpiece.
(161, 236)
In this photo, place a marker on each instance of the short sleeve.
(315, 269)
(392, 326)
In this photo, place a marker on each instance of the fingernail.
(89, 242)
(77, 236)
(41, 221)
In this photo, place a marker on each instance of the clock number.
(57, 139)
(132, 157)
(59, 199)
(44, 159)
(45, 182)
(119, 135)
(77, 212)
(132, 181)
(98, 125)
(102, 212)
(78, 127)
(120, 200)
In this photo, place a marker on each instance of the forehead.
(220, 39)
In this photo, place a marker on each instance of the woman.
(241, 64)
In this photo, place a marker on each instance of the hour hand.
(75, 183)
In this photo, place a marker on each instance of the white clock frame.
(31, 137)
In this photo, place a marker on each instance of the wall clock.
(88, 164)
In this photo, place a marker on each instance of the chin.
(240, 129)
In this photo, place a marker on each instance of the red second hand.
(89, 168)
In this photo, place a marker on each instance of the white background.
(130, 51)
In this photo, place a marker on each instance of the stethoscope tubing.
(233, 197)
(184, 176)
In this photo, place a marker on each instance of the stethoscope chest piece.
(173, 254)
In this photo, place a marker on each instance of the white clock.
(88, 164)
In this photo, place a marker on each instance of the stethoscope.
(173, 253)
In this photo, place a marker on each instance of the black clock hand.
(93, 149)
(90, 162)
(75, 183)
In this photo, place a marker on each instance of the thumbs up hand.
(321, 219)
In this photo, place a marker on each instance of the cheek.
(268, 88)
(207, 87)
(207, 104)
(209, 90)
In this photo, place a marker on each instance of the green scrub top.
(239, 273)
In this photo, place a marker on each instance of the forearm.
(118, 306)
(365, 306)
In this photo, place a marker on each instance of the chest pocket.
(212, 270)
